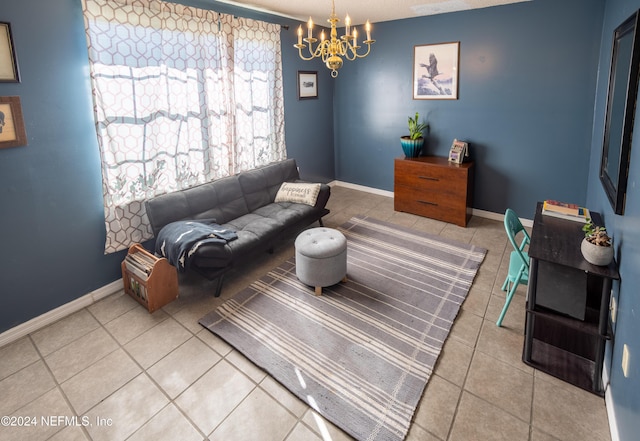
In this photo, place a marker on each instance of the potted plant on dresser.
(596, 246)
(412, 144)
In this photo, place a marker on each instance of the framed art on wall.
(435, 71)
(621, 112)
(8, 61)
(307, 85)
(12, 132)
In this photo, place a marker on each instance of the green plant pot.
(411, 147)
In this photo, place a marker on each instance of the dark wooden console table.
(567, 312)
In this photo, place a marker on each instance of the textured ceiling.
(362, 10)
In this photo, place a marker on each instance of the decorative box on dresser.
(431, 186)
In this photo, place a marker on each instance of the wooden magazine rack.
(151, 280)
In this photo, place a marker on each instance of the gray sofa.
(243, 203)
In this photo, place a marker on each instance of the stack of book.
(140, 265)
(148, 279)
(564, 210)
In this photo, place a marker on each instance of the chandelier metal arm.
(353, 54)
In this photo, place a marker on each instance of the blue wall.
(624, 229)
(52, 220)
(308, 123)
(527, 81)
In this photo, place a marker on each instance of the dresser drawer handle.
(428, 178)
(428, 203)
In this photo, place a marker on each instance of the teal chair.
(518, 261)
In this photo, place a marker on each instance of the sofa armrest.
(323, 196)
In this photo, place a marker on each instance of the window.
(182, 96)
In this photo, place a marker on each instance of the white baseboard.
(362, 188)
(480, 213)
(56, 314)
(608, 402)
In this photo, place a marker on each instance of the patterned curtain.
(182, 96)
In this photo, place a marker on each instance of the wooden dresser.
(431, 186)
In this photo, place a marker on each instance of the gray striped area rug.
(362, 353)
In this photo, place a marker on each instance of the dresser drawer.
(431, 204)
(453, 185)
(415, 172)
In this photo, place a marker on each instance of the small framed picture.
(435, 71)
(12, 132)
(307, 85)
(8, 61)
(459, 150)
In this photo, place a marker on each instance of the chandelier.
(331, 51)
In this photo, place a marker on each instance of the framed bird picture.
(435, 71)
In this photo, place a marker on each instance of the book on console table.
(565, 210)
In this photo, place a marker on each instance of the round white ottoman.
(321, 257)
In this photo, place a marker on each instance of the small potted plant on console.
(412, 144)
(596, 246)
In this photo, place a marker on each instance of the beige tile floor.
(112, 371)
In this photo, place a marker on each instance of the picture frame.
(458, 152)
(12, 131)
(8, 62)
(307, 85)
(435, 71)
(621, 112)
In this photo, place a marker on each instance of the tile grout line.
(153, 381)
(58, 386)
